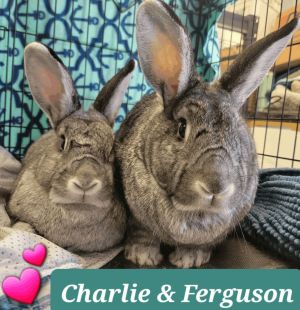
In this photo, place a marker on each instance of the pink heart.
(23, 289)
(36, 256)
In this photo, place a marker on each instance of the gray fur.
(188, 193)
(66, 187)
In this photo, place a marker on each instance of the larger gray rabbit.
(65, 190)
(187, 159)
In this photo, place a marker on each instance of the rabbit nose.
(218, 191)
(215, 178)
(88, 186)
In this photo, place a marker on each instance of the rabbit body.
(152, 165)
(186, 157)
(66, 189)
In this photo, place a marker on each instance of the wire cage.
(273, 109)
(95, 38)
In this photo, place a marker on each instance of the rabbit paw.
(188, 258)
(143, 255)
(24, 226)
(4, 218)
(5, 221)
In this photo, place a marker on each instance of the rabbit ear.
(50, 83)
(248, 70)
(110, 98)
(164, 49)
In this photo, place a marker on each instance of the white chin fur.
(73, 189)
(196, 207)
(71, 198)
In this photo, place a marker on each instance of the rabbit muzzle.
(87, 177)
(212, 199)
(209, 188)
(85, 182)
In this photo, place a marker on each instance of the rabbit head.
(74, 161)
(199, 149)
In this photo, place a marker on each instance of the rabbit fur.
(186, 157)
(65, 189)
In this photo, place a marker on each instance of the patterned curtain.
(94, 39)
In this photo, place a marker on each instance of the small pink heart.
(36, 256)
(23, 289)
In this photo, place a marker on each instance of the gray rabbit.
(187, 159)
(65, 190)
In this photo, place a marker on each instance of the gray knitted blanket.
(274, 221)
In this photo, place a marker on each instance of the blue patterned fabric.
(274, 221)
(94, 38)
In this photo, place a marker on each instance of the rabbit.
(65, 189)
(186, 157)
(9, 169)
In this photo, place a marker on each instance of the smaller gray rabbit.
(65, 189)
(186, 156)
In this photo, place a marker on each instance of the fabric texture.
(274, 222)
(12, 244)
(94, 39)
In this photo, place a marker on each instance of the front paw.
(4, 218)
(24, 227)
(143, 255)
(5, 221)
(188, 258)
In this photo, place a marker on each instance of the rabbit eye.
(181, 128)
(62, 143)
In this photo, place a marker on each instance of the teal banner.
(175, 289)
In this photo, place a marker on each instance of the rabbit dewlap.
(65, 190)
(187, 159)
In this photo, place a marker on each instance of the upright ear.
(50, 83)
(164, 49)
(110, 98)
(249, 68)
